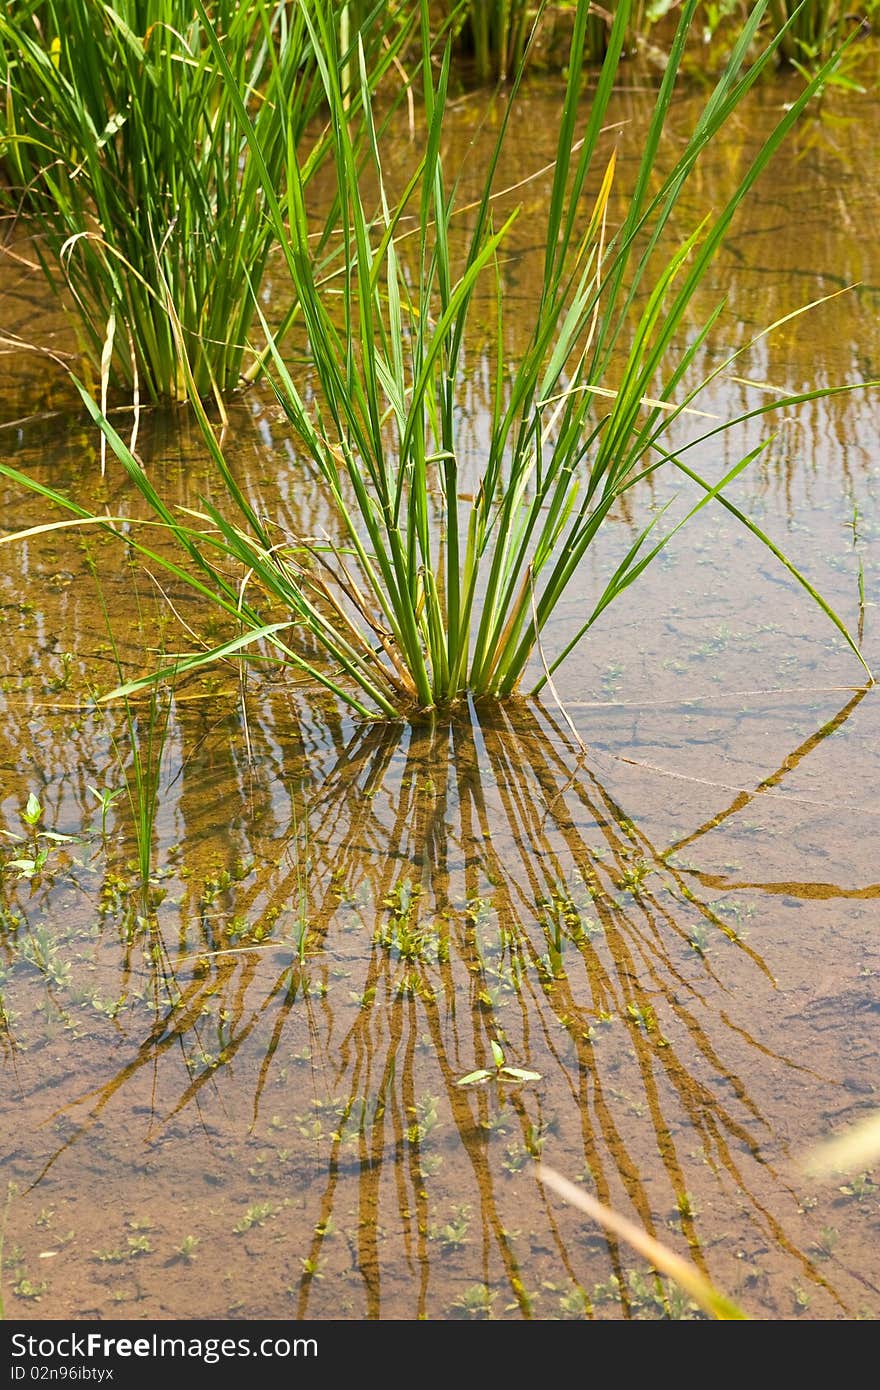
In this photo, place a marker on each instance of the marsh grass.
(496, 37)
(123, 154)
(811, 30)
(428, 593)
(495, 33)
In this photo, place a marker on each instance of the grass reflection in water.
(407, 907)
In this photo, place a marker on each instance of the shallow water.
(242, 1098)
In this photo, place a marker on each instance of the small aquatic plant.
(500, 1070)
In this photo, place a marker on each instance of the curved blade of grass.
(629, 568)
(796, 574)
(685, 1274)
(225, 597)
(192, 661)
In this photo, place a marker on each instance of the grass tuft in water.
(435, 587)
(123, 155)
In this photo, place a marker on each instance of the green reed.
(495, 36)
(495, 32)
(145, 732)
(417, 613)
(812, 29)
(122, 152)
(432, 588)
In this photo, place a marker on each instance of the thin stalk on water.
(685, 1274)
(147, 732)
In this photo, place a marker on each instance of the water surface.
(241, 1096)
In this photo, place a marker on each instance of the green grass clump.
(495, 33)
(121, 149)
(812, 28)
(434, 586)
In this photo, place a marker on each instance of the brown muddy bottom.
(237, 1060)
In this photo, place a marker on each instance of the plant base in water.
(423, 599)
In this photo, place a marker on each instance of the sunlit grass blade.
(660, 1256)
(193, 661)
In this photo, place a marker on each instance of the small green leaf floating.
(477, 1078)
(520, 1074)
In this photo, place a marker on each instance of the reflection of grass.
(147, 733)
(499, 877)
(146, 723)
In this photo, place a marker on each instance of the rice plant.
(495, 36)
(495, 33)
(122, 151)
(812, 29)
(435, 589)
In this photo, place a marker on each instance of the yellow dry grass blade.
(47, 526)
(660, 1256)
(853, 1151)
(647, 401)
(599, 215)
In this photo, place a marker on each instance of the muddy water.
(238, 1093)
